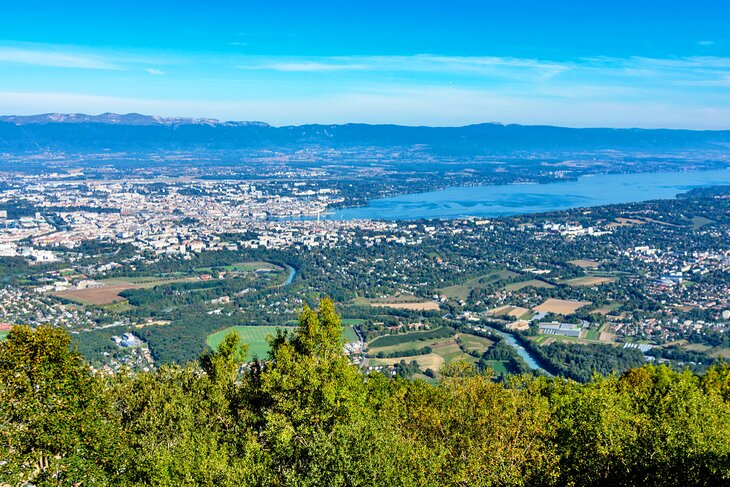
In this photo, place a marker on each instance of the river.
(292, 275)
(527, 356)
(514, 199)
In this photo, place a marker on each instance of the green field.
(3, 334)
(410, 345)
(592, 335)
(146, 282)
(445, 349)
(589, 280)
(531, 283)
(352, 321)
(700, 221)
(461, 291)
(255, 337)
(413, 337)
(349, 331)
(473, 342)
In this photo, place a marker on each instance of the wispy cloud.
(424, 63)
(706, 43)
(500, 67)
(309, 66)
(153, 71)
(680, 74)
(55, 58)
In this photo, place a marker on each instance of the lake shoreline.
(491, 201)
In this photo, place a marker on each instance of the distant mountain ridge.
(144, 133)
(115, 119)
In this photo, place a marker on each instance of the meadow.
(109, 292)
(255, 337)
(402, 301)
(461, 291)
(445, 347)
(589, 281)
(538, 283)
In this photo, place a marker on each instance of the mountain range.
(136, 132)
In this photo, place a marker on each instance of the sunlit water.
(515, 199)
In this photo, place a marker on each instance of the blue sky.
(453, 62)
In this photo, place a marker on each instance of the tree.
(313, 416)
(53, 426)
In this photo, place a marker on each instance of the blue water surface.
(515, 199)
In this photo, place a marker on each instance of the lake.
(515, 199)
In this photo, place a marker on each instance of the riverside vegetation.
(306, 416)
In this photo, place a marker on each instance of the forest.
(306, 416)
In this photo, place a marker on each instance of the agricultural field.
(593, 335)
(352, 321)
(151, 322)
(400, 302)
(349, 331)
(430, 361)
(589, 281)
(461, 291)
(519, 325)
(507, 310)
(413, 337)
(255, 337)
(96, 295)
(584, 263)
(443, 349)
(560, 306)
(108, 293)
(715, 352)
(548, 339)
(605, 333)
(540, 339)
(516, 286)
(473, 342)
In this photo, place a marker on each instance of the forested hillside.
(308, 417)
